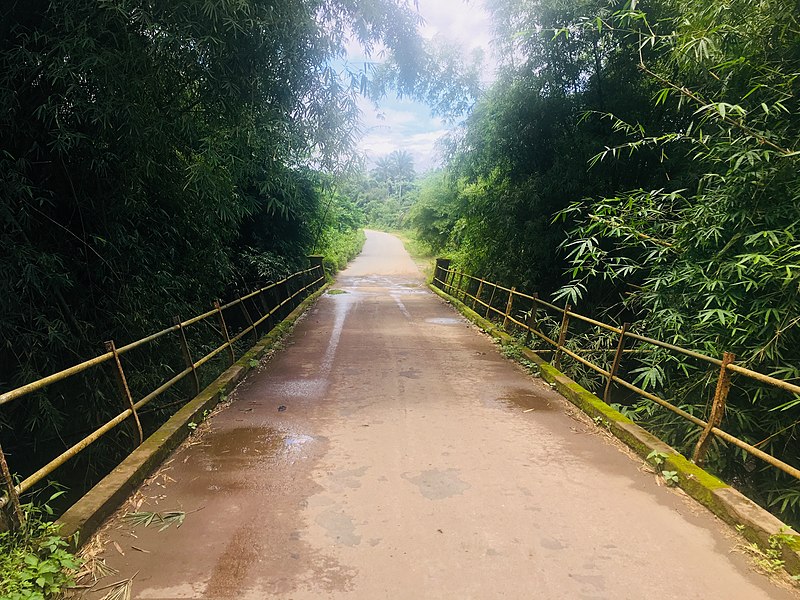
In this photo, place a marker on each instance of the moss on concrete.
(753, 522)
(86, 515)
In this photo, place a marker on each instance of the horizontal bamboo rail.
(305, 280)
(452, 280)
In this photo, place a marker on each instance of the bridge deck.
(413, 461)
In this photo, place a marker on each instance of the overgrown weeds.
(35, 561)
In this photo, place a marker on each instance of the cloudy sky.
(406, 125)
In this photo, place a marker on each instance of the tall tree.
(152, 156)
(711, 262)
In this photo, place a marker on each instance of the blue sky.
(407, 125)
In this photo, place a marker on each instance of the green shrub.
(35, 562)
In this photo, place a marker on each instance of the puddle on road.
(242, 447)
(405, 291)
(445, 321)
(527, 399)
(298, 388)
(296, 440)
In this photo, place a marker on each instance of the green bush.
(341, 247)
(35, 562)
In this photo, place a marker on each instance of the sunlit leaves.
(726, 274)
(154, 156)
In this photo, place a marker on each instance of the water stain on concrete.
(445, 321)
(241, 554)
(595, 581)
(339, 526)
(438, 484)
(552, 544)
(350, 478)
(411, 374)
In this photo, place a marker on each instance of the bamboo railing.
(265, 303)
(501, 305)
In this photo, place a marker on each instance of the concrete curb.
(85, 516)
(753, 522)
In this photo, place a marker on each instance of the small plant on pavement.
(671, 477)
(657, 458)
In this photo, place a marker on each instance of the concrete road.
(407, 464)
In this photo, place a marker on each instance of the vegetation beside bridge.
(641, 163)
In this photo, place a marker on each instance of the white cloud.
(407, 125)
(422, 146)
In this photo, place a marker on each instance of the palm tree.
(395, 170)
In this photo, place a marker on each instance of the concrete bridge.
(391, 451)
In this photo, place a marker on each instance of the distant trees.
(396, 171)
(388, 190)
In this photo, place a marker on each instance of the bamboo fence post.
(615, 364)
(187, 357)
(717, 408)
(489, 306)
(224, 328)
(477, 294)
(530, 321)
(124, 389)
(276, 300)
(440, 273)
(11, 489)
(289, 287)
(509, 305)
(249, 321)
(562, 336)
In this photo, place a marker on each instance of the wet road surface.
(407, 464)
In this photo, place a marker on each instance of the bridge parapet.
(523, 312)
(255, 313)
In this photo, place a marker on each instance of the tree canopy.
(641, 162)
(155, 156)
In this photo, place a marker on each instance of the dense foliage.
(642, 163)
(713, 262)
(386, 192)
(153, 157)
